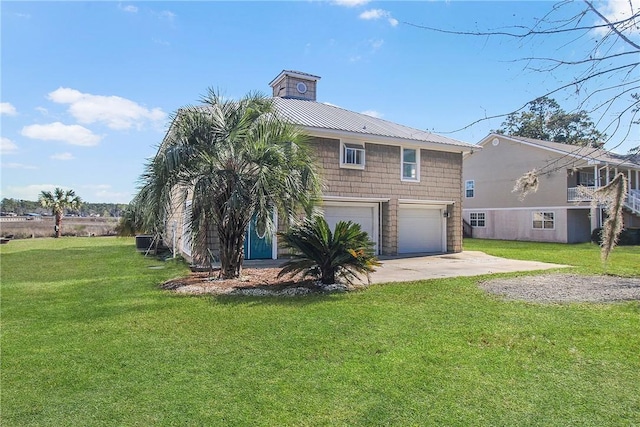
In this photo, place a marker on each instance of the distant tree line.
(23, 207)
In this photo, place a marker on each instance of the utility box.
(144, 243)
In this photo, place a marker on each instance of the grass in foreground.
(623, 261)
(89, 339)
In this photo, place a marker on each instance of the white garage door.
(365, 214)
(421, 229)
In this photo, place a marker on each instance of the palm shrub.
(232, 159)
(342, 255)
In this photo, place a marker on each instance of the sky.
(87, 89)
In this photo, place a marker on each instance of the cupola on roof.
(295, 84)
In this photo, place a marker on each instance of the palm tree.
(58, 202)
(343, 254)
(232, 159)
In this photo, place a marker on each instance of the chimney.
(295, 84)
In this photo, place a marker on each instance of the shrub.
(343, 254)
(627, 237)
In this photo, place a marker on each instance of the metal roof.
(320, 116)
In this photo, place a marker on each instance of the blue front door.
(256, 246)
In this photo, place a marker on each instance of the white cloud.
(375, 14)
(97, 187)
(168, 15)
(373, 113)
(7, 146)
(17, 166)
(42, 111)
(111, 197)
(23, 15)
(8, 109)
(63, 156)
(618, 10)
(350, 3)
(104, 193)
(128, 8)
(116, 112)
(160, 42)
(71, 134)
(376, 43)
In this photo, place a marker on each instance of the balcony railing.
(580, 194)
(584, 194)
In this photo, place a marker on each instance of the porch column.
(594, 217)
(594, 210)
(637, 180)
(607, 171)
(629, 183)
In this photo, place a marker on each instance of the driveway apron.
(467, 263)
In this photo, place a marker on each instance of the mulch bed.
(254, 282)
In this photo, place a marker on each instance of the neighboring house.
(557, 212)
(402, 185)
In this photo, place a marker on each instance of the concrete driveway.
(467, 263)
(407, 269)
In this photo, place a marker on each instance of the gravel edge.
(565, 288)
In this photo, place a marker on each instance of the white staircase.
(632, 202)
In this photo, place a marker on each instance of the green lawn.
(623, 261)
(88, 339)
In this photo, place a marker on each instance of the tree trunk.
(328, 275)
(58, 228)
(231, 251)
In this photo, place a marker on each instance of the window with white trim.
(587, 179)
(410, 164)
(477, 219)
(352, 155)
(544, 220)
(469, 188)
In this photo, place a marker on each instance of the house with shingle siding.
(402, 185)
